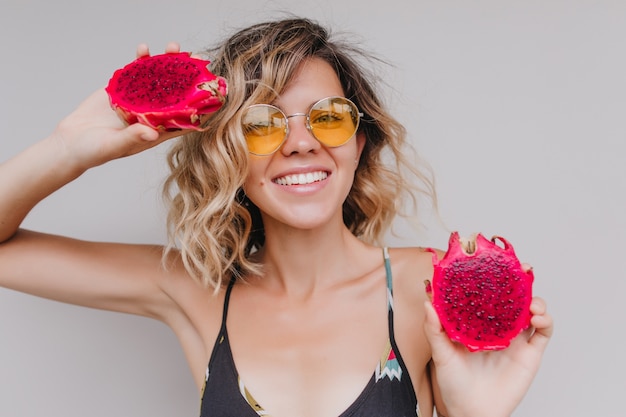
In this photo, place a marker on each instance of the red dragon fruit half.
(480, 292)
(167, 92)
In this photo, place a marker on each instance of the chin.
(309, 219)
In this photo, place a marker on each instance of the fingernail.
(429, 288)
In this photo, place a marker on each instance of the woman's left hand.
(490, 383)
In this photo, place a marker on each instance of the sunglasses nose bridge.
(296, 114)
(306, 122)
(299, 114)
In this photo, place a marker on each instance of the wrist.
(58, 157)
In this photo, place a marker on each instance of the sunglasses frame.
(286, 117)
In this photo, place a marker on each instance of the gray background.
(518, 105)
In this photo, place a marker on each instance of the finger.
(138, 132)
(432, 319)
(527, 267)
(441, 345)
(541, 323)
(538, 306)
(543, 329)
(142, 50)
(172, 47)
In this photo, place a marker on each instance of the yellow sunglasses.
(332, 121)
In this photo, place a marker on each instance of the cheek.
(255, 177)
(347, 156)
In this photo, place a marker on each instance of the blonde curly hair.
(210, 220)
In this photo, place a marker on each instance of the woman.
(277, 281)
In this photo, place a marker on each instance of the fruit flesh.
(481, 292)
(167, 91)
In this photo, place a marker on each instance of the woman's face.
(304, 184)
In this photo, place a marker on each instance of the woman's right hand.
(91, 135)
(94, 134)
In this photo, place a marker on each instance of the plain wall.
(519, 106)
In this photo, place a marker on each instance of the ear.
(360, 144)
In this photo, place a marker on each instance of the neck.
(304, 262)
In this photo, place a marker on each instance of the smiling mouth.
(302, 179)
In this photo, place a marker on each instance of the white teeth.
(301, 179)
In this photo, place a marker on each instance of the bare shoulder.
(411, 266)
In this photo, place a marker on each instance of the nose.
(299, 137)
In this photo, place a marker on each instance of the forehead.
(313, 80)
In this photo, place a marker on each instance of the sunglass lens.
(264, 127)
(334, 120)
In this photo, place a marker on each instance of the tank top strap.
(229, 289)
(389, 276)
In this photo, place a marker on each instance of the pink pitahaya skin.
(167, 92)
(483, 297)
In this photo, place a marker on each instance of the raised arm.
(109, 276)
(90, 136)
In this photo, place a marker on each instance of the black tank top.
(389, 392)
